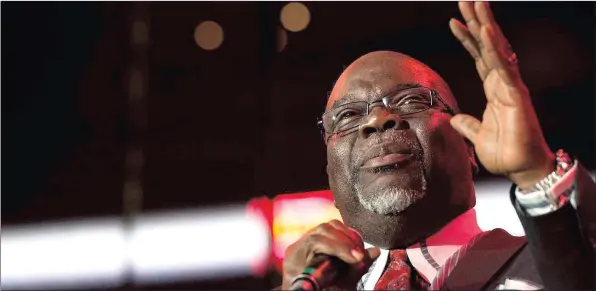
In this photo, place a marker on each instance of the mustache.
(379, 145)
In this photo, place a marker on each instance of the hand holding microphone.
(331, 253)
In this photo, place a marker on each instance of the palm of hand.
(508, 128)
(508, 140)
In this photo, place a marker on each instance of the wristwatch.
(554, 190)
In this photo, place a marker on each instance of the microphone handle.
(323, 273)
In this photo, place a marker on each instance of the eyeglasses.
(402, 102)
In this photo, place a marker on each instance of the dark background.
(223, 126)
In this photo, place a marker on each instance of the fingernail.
(357, 254)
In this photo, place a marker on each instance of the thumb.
(466, 125)
(373, 253)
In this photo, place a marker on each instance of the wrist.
(530, 177)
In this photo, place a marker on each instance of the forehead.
(369, 80)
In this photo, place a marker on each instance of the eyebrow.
(348, 98)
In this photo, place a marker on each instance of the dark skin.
(438, 148)
(437, 179)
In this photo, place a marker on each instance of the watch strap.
(542, 201)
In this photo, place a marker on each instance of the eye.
(413, 98)
(413, 103)
(345, 114)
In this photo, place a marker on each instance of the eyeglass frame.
(433, 94)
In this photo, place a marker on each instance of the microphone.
(322, 273)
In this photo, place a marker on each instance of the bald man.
(400, 161)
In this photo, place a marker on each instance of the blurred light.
(140, 33)
(261, 207)
(135, 85)
(187, 244)
(295, 16)
(63, 255)
(295, 214)
(282, 39)
(209, 35)
(191, 244)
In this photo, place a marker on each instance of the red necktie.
(397, 274)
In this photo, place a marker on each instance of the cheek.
(338, 151)
(438, 139)
(439, 131)
(338, 160)
(332, 141)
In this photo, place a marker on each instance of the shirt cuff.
(539, 202)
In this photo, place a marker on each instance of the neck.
(457, 232)
(415, 224)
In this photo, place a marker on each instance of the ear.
(472, 157)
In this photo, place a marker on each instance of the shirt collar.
(439, 246)
(429, 256)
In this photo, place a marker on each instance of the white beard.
(386, 201)
(389, 200)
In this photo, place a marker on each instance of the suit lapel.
(483, 260)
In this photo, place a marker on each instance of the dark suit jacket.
(558, 252)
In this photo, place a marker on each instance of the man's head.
(396, 177)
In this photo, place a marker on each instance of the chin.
(389, 201)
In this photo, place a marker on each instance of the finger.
(320, 244)
(340, 226)
(342, 235)
(353, 234)
(303, 253)
(483, 13)
(461, 32)
(466, 125)
(373, 253)
(358, 270)
(469, 15)
(498, 59)
(486, 18)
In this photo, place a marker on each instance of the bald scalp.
(383, 64)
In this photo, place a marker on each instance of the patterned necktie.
(397, 274)
(450, 264)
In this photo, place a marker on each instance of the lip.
(386, 160)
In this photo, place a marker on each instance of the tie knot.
(398, 255)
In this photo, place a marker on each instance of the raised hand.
(508, 140)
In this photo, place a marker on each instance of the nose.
(380, 120)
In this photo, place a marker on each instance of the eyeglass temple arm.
(438, 97)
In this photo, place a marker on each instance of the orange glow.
(295, 214)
